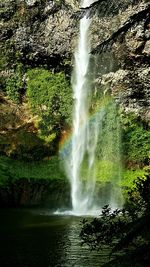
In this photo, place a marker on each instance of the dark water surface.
(37, 238)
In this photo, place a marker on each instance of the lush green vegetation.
(14, 85)
(50, 98)
(136, 139)
(32, 147)
(125, 232)
(17, 169)
(130, 176)
(123, 145)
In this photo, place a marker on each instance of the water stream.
(101, 130)
(84, 138)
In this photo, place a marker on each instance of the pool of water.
(39, 238)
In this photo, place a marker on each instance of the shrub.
(125, 232)
(14, 84)
(136, 139)
(50, 98)
(18, 169)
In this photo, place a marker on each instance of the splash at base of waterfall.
(95, 212)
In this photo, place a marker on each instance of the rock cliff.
(129, 83)
(39, 32)
(43, 33)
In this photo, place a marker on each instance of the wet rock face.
(137, 41)
(131, 89)
(130, 84)
(31, 2)
(146, 49)
(59, 33)
(41, 32)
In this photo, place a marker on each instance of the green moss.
(17, 169)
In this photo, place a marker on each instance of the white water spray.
(103, 128)
(84, 138)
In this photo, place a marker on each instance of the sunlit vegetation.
(123, 144)
(50, 98)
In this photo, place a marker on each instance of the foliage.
(17, 169)
(140, 198)
(126, 231)
(130, 176)
(12, 71)
(139, 145)
(50, 98)
(3, 60)
(136, 139)
(14, 84)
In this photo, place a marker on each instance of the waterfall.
(84, 138)
(94, 151)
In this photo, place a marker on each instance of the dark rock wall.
(35, 193)
(44, 33)
(39, 32)
(130, 84)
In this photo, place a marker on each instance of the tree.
(50, 98)
(125, 231)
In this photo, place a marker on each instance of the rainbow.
(66, 136)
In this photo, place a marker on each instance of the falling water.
(84, 138)
(101, 132)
